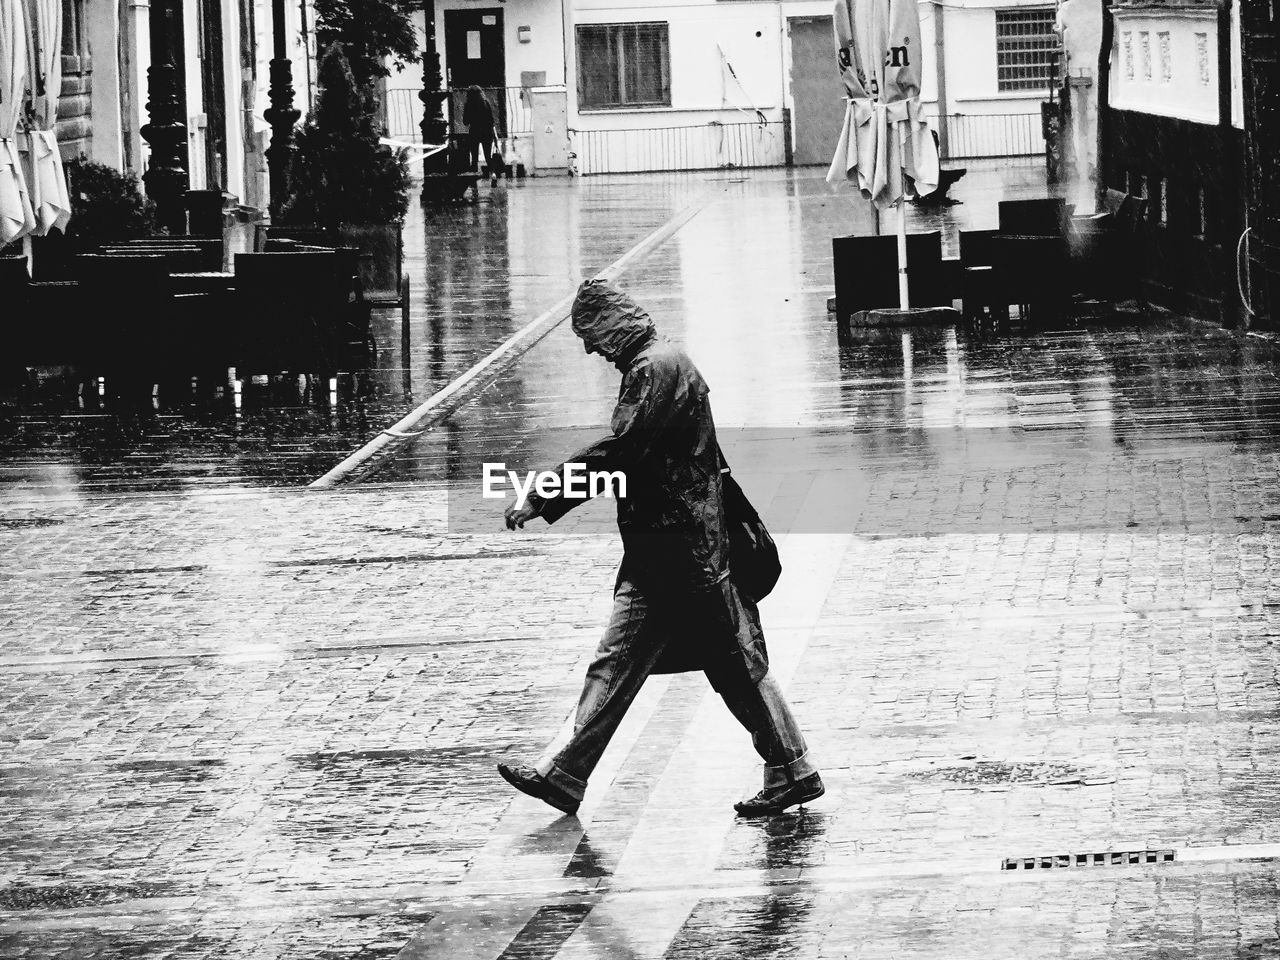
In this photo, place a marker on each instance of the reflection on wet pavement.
(753, 317)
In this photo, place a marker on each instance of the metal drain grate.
(1113, 858)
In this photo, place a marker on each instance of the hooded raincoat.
(663, 438)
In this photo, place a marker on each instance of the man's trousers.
(639, 630)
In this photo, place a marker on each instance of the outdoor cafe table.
(207, 281)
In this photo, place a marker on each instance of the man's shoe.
(770, 801)
(528, 780)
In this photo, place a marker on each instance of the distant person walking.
(676, 606)
(477, 115)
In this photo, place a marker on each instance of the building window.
(1200, 213)
(1137, 185)
(1160, 201)
(1126, 40)
(73, 33)
(1027, 49)
(1202, 56)
(623, 65)
(1166, 62)
(1144, 41)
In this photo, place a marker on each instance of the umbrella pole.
(904, 300)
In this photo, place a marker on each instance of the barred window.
(623, 65)
(1027, 49)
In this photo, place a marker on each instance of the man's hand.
(518, 516)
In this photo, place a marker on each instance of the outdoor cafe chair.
(15, 279)
(1033, 273)
(977, 266)
(177, 258)
(383, 282)
(314, 235)
(291, 312)
(140, 338)
(866, 272)
(210, 248)
(14, 276)
(1038, 217)
(51, 319)
(1106, 250)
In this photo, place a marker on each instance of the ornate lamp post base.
(282, 115)
(166, 176)
(435, 129)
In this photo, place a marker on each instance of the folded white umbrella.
(47, 181)
(885, 148)
(16, 216)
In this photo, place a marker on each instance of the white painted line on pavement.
(465, 387)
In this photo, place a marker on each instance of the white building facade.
(690, 84)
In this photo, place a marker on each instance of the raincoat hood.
(608, 320)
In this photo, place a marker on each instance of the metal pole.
(904, 299)
(940, 48)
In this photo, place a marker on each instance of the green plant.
(339, 173)
(371, 32)
(106, 204)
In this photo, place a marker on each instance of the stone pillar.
(136, 54)
(282, 114)
(104, 98)
(166, 177)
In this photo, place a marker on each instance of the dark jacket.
(663, 438)
(477, 115)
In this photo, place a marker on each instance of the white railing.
(707, 146)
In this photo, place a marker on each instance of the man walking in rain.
(675, 604)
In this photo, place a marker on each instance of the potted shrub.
(343, 180)
(106, 206)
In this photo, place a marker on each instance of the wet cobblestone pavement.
(1030, 609)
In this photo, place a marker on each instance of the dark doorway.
(815, 89)
(475, 53)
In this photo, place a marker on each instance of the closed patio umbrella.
(885, 146)
(16, 217)
(47, 181)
